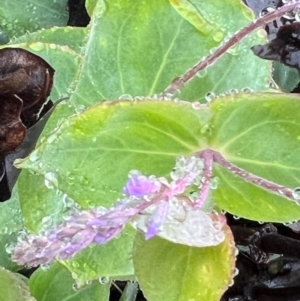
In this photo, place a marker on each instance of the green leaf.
(10, 214)
(238, 68)
(56, 283)
(286, 77)
(40, 206)
(5, 260)
(13, 288)
(33, 15)
(110, 260)
(139, 49)
(89, 156)
(11, 221)
(259, 133)
(173, 272)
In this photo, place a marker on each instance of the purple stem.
(178, 82)
(249, 177)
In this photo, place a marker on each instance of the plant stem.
(249, 177)
(180, 81)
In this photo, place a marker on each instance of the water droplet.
(196, 105)
(75, 264)
(236, 217)
(235, 272)
(246, 90)
(46, 219)
(235, 50)
(50, 180)
(34, 156)
(126, 97)
(210, 96)
(79, 108)
(52, 46)
(266, 11)
(45, 267)
(104, 280)
(75, 287)
(261, 33)
(214, 183)
(213, 50)
(206, 129)
(202, 73)
(138, 98)
(67, 201)
(10, 248)
(38, 46)
(296, 193)
(289, 15)
(218, 36)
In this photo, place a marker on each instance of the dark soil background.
(269, 254)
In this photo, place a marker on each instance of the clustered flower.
(152, 205)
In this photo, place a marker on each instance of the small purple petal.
(140, 186)
(157, 219)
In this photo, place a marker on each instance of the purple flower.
(152, 205)
(139, 185)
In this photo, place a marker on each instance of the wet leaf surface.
(56, 283)
(181, 272)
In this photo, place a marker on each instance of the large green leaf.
(31, 15)
(261, 134)
(173, 272)
(138, 47)
(13, 288)
(56, 283)
(89, 156)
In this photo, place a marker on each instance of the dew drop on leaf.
(45, 267)
(296, 193)
(210, 96)
(50, 180)
(214, 183)
(218, 36)
(196, 105)
(202, 73)
(103, 280)
(246, 90)
(75, 287)
(236, 50)
(38, 46)
(126, 97)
